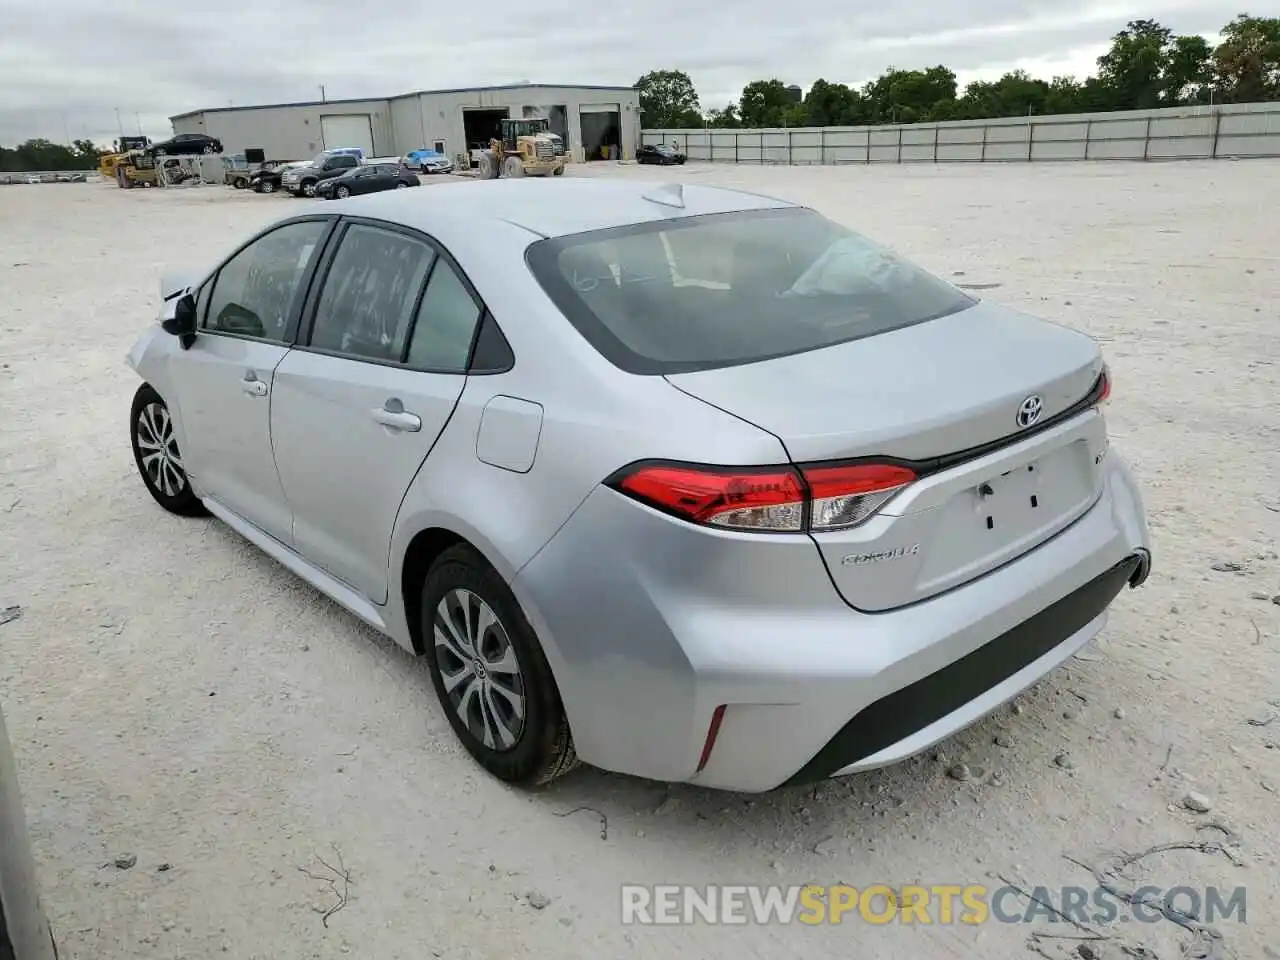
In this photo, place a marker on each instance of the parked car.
(301, 181)
(660, 153)
(428, 161)
(185, 144)
(267, 179)
(34, 178)
(695, 484)
(24, 930)
(367, 178)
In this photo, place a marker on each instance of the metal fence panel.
(1175, 133)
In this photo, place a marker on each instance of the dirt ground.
(175, 696)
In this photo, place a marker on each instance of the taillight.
(844, 496)
(1105, 391)
(767, 499)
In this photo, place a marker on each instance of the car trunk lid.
(946, 396)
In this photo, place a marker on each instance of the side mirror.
(182, 321)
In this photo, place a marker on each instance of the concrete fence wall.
(1174, 133)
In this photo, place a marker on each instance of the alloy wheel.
(479, 669)
(158, 450)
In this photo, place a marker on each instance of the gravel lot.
(176, 696)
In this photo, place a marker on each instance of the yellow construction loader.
(135, 169)
(524, 148)
(108, 162)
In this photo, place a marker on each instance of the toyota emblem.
(1029, 411)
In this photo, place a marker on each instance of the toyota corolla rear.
(943, 524)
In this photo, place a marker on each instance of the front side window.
(369, 294)
(713, 291)
(254, 292)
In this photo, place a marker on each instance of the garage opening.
(347, 130)
(601, 131)
(479, 126)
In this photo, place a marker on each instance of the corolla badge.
(897, 553)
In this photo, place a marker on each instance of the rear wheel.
(155, 451)
(488, 165)
(239, 183)
(401, 185)
(558, 172)
(490, 673)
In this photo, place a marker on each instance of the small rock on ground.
(125, 861)
(1064, 761)
(538, 900)
(1197, 802)
(1118, 713)
(959, 771)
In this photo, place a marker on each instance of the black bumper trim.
(914, 707)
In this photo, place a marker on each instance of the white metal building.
(595, 122)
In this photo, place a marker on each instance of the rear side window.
(713, 291)
(446, 323)
(369, 294)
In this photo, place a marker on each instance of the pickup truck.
(301, 182)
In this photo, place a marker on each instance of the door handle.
(254, 387)
(395, 416)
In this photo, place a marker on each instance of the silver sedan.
(688, 483)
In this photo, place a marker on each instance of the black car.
(367, 178)
(186, 144)
(661, 153)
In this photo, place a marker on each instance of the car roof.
(552, 207)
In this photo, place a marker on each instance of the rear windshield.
(714, 291)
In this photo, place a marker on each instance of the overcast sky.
(67, 74)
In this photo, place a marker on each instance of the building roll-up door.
(347, 130)
(601, 126)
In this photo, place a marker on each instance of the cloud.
(74, 73)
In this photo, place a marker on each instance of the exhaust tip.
(1143, 570)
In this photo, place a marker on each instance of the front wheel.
(155, 451)
(309, 188)
(239, 183)
(401, 185)
(490, 673)
(343, 193)
(558, 172)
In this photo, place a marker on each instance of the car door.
(358, 406)
(248, 312)
(362, 180)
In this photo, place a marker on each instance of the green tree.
(910, 96)
(725, 117)
(1188, 76)
(1015, 94)
(768, 103)
(1247, 61)
(668, 100)
(833, 105)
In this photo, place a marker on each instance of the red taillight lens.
(1105, 394)
(767, 499)
(844, 496)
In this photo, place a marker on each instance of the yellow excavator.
(524, 148)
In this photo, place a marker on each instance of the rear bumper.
(651, 624)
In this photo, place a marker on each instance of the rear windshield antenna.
(669, 195)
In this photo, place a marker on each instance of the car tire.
(343, 192)
(558, 172)
(308, 188)
(540, 747)
(209, 148)
(239, 183)
(162, 470)
(401, 185)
